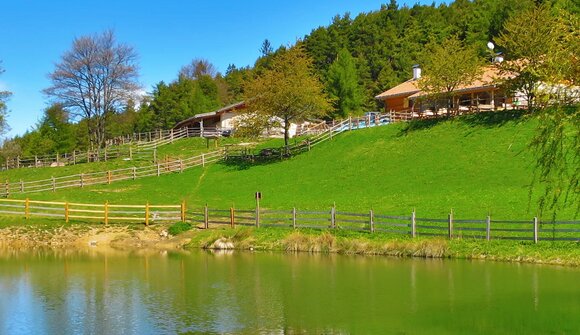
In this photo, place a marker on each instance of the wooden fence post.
(27, 209)
(180, 165)
(257, 214)
(294, 217)
(105, 154)
(7, 188)
(333, 217)
(413, 224)
(53, 183)
(130, 153)
(134, 173)
(350, 123)
(372, 220)
(183, 211)
(106, 212)
(74, 157)
(155, 154)
(66, 212)
(171, 135)
(205, 217)
(21, 186)
(109, 177)
(488, 228)
(232, 215)
(17, 162)
(536, 230)
(450, 223)
(147, 213)
(82, 181)
(158, 169)
(202, 160)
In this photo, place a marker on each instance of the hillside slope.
(476, 164)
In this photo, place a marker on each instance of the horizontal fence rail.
(132, 147)
(83, 212)
(110, 176)
(370, 222)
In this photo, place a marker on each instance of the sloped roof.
(198, 117)
(487, 79)
(411, 89)
(407, 88)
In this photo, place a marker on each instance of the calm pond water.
(50, 292)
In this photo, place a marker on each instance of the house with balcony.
(408, 101)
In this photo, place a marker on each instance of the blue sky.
(166, 35)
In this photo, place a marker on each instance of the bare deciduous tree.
(197, 68)
(93, 79)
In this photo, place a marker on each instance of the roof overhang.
(203, 116)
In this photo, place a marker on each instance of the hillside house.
(407, 100)
(224, 121)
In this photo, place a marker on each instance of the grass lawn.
(184, 148)
(476, 164)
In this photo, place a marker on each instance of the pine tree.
(343, 86)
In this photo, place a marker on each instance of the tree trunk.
(286, 133)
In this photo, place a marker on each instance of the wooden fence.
(371, 222)
(105, 213)
(409, 225)
(317, 136)
(107, 177)
(131, 147)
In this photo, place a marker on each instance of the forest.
(362, 56)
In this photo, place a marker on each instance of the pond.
(91, 292)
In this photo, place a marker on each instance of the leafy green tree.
(235, 79)
(56, 131)
(289, 90)
(447, 66)
(4, 95)
(179, 100)
(123, 122)
(534, 51)
(542, 50)
(343, 87)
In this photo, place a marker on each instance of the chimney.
(416, 72)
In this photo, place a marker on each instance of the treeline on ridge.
(367, 54)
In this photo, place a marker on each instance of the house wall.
(396, 104)
(227, 120)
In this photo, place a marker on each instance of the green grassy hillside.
(476, 164)
(179, 149)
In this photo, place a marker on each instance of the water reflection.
(148, 292)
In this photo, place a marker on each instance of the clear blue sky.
(166, 35)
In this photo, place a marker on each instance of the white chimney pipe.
(416, 72)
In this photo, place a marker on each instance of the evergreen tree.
(266, 48)
(343, 87)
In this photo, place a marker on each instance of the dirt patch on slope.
(118, 237)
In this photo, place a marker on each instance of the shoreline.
(132, 238)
